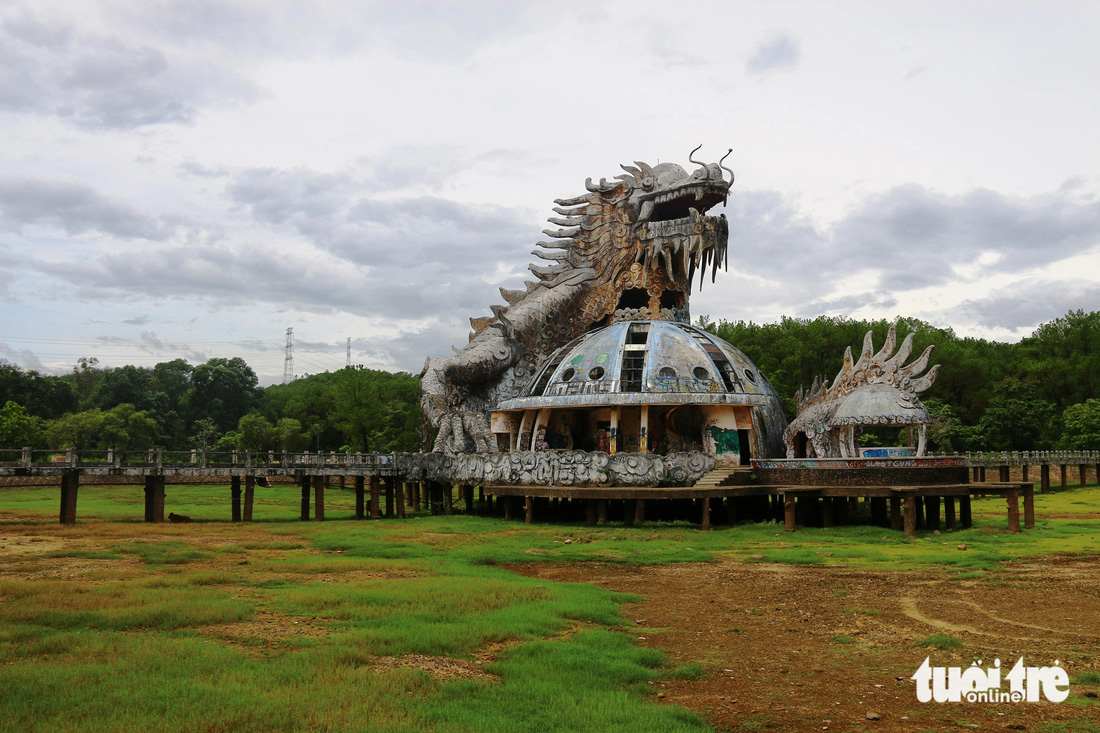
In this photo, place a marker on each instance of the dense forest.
(1041, 393)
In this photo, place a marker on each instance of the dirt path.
(818, 648)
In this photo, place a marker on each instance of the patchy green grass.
(942, 642)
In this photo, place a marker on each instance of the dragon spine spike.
(560, 244)
(479, 324)
(634, 172)
(562, 233)
(926, 381)
(865, 353)
(571, 221)
(575, 201)
(546, 273)
(574, 211)
(895, 362)
(918, 366)
(887, 346)
(555, 255)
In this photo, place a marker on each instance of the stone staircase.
(724, 477)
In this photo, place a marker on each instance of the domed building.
(642, 386)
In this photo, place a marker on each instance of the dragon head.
(668, 193)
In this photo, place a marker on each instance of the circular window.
(750, 376)
(667, 372)
(700, 373)
(568, 374)
(595, 373)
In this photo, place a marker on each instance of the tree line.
(1040, 393)
(216, 406)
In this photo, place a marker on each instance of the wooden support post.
(601, 511)
(1044, 478)
(878, 511)
(1029, 506)
(590, 513)
(628, 512)
(375, 508)
(70, 485)
(509, 507)
(932, 512)
(841, 507)
(360, 496)
(964, 512)
(910, 515)
(418, 495)
(975, 478)
(529, 510)
(949, 512)
(1013, 498)
(705, 523)
(827, 512)
(304, 483)
(448, 498)
(789, 512)
(895, 513)
(918, 512)
(387, 485)
(150, 482)
(235, 498)
(1004, 473)
(468, 498)
(1023, 471)
(319, 498)
(436, 499)
(639, 511)
(249, 497)
(399, 489)
(1062, 471)
(1081, 470)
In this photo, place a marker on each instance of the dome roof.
(881, 404)
(645, 362)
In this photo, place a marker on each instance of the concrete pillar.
(249, 496)
(150, 480)
(319, 498)
(1029, 506)
(932, 512)
(235, 498)
(154, 498)
(1013, 499)
(964, 512)
(70, 485)
(910, 515)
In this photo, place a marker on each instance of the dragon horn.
(590, 187)
(645, 167)
(723, 160)
(693, 160)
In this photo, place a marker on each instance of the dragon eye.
(647, 182)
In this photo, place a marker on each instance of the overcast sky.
(188, 179)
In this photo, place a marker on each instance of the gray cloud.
(46, 68)
(1032, 302)
(74, 207)
(778, 54)
(23, 358)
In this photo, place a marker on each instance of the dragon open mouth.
(678, 204)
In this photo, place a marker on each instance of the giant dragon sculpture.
(878, 389)
(628, 246)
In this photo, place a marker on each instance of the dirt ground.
(829, 649)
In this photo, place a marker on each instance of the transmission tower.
(349, 351)
(288, 360)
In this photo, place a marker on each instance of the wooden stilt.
(399, 490)
(1004, 473)
(375, 496)
(705, 523)
(158, 498)
(1062, 472)
(150, 482)
(827, 512)
(360, 496)
(418, 495)
(529, 510)
(949, 512)
(1023, 471)
(304, 483)
(878, 511)
(70, 486)
(319, 498)
(628, 512)
(932, 512)
(601, 511)
(975, 478)
(468, 498)
(981, 474)
(918, 512)
(590, 512)
(1013, 498)
(249, 496)
(387, 487)
(1044, 477)
(448, 498)
(895, 513)
(1029, 506)
(910, 515)
(235, 498)
(1081, 470)
(964, 512)
(509, 507)
(789, 512)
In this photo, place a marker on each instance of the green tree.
(20, 429)
(1081, 426)
(78, 430)
(123, 385)
(127, 428)
(290, 436)
(84, 376)
(206, 434)
(254, 432)
(223, 390)
(1017, 417)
